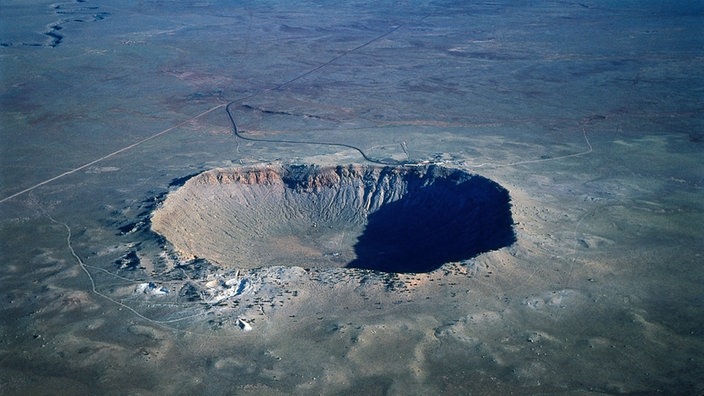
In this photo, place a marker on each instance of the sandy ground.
(598, 142)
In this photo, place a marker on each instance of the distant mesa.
(383, 218)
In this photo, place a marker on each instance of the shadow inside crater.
(434, 224)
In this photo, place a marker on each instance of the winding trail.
(239, 134)
(105, 296)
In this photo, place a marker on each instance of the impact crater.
(401, 219)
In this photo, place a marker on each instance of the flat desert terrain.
(401, 198)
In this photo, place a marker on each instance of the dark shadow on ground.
(435, 224)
